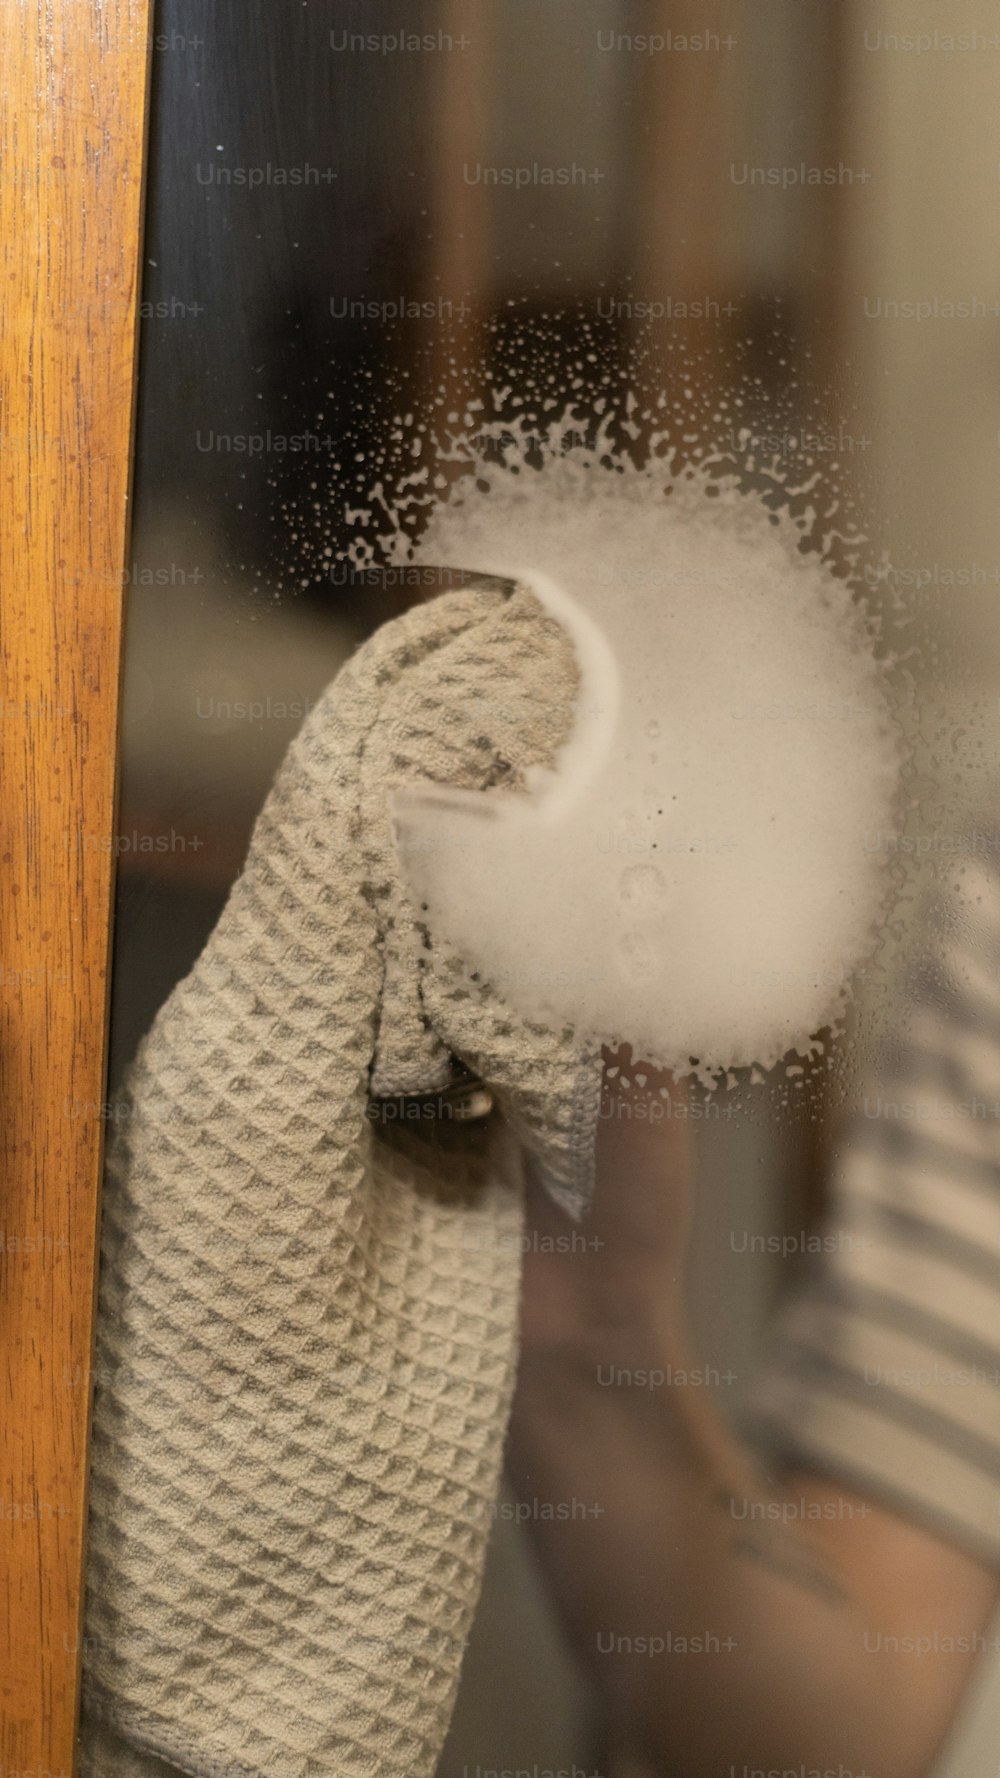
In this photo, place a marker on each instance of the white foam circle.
(698, 876)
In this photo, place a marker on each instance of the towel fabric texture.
(308, 1309)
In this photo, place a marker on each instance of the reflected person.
(813, 1590)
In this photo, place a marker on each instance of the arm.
(787, 1616)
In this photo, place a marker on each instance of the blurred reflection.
(347, 204)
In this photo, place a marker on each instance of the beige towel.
(307, 1322)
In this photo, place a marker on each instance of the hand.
(619, 1272)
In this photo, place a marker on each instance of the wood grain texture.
(75, 81)
(459, 267)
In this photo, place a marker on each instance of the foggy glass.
(321, 225)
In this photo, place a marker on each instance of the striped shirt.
(885, 1365)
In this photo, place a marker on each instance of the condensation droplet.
(635, 953)
(642, 886)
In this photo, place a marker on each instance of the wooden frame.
(72, 144)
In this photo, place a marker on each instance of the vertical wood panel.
(459, 261)
(684, 166)
(686, 106)
(75, 76)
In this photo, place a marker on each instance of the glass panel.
(380, 253)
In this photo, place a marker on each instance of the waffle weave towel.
(307, 1317)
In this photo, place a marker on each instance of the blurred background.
(791, 191)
